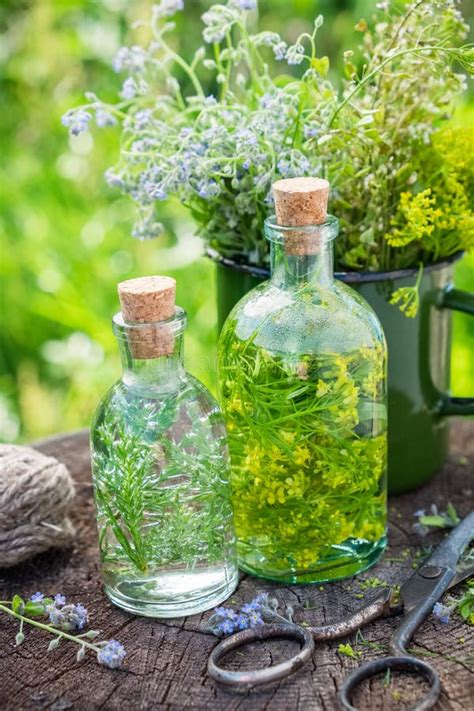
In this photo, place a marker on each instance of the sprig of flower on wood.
(59, 618)
(462, 605)
(260, 609)
(435, 519)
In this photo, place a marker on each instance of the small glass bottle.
(302, 371)
(161, 468)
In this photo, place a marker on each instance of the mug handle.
(456, 300)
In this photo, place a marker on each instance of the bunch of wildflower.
(60, 619)
(262, 608)
(384, 127)
(220, 154)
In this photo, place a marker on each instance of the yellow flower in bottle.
(341, 365)
(302, 454)
(349, 391)
(274, 453)
(286, 530)
(322, 389)
(254, 466)
(236, 405)
(341, 528)
(281, 495)
(370, 384)
(335, 478)
(296, 485)
(370, 530)
(348, 418)
(306, 557)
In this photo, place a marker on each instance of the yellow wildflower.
(275, 453)
(302, 454)
(322, 388)
(236, 405)
(416, 218)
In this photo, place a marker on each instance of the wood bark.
(165, 666)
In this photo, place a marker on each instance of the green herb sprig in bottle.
(161, 468)
(302, 365)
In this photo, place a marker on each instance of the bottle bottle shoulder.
(191, 403)
(324, 319)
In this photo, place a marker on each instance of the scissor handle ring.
(407, 663)
(248, 679)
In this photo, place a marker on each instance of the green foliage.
(465, 604)
(346, 650)
(296, 434)
(220, 154)
(396, 158)
(144, 472)
(65, 236)
(18, 604)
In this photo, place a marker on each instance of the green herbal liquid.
(161, 480)
(307, 436)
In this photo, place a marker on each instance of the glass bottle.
(302, 370)
(161, 468)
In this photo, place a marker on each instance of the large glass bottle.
(161, 468)
(302, 366)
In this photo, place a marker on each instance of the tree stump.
(165, 667)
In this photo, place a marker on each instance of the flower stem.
(48, 628)
(420, 274)
(374, 72)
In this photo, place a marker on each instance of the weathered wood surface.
(166, 662)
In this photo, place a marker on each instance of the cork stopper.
(301, 202)
(149, 300)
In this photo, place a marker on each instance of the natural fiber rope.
(36, 493)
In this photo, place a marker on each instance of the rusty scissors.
(416, 599)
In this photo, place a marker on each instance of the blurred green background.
(65, 235)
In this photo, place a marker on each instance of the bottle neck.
(302, 256)
(162, 374)
(152, 354)
(291, 271)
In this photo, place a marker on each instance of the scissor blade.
(463, 572)
(448, 553)
(437, 572)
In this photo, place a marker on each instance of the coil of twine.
(36, 493)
